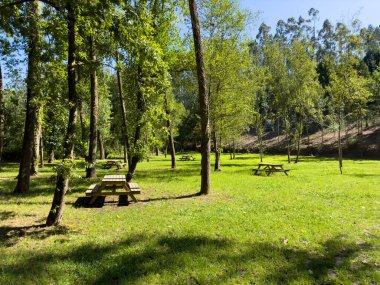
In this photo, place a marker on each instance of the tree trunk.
(123, 111)
(203, 100)
(101, 146)
(287, 137)
(340, 143)
(91, 159)
(170, 129)
(56, 211)
(278, 130)
(217, 153)
(233, 149)
(51, 153)
(125, 153)
(140, 110)
(36, 146)
(42, 164)
(299, 135)
(34, 54)
(2, 119)
(81, 119)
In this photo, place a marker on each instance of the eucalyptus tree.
(347, 87)
(203, 99)
(304, 86)
(226, 52)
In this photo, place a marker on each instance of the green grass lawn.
(313, 227)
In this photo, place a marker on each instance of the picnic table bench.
(187, 158)
(269, 168)
(109, 186)
(118, 163)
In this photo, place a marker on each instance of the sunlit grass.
(315, 226)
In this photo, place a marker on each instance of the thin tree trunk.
(2, 119)
(170, 129)
(81, 120)
(233, 149)
(91, 168)
(51, 153)
(56, 211)
(36, 146)
(123, 112)
(140, 110)
(203, 100)
(278, 130)
(42, 163)
(287, 137)
(125, 156)
(340, 143)
(101, 146)
(299, 135)
(34, 54)
(217, 153)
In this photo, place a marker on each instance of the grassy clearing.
(313, 227)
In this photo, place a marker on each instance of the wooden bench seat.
(134, 187)
(92, 190)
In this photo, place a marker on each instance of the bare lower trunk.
(125, 156)
(217, 153)
(288, 145)
(42, 164)
(233, 149)
(203, 100)
(2, 120)
(101, 146)
(340, 144)
(34, 53)
(36, 147)
(299, 136)
(91, 159)
(170, 138)
(62, 186)
(278, 130)
(51, 153)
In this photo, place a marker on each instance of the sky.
(367, 11)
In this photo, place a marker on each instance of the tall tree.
(34, 69)
(63, 173)
(2, 120)
(203, 99)
(91, 159)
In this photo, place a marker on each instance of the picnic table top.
(114, 178)
(270, 164)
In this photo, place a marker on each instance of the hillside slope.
(366, 145)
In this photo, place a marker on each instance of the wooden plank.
(92, 190)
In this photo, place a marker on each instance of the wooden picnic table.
(269, 168)
(109, 186)
(113, 162)
(187, 157)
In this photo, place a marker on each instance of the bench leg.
(93, 199)
(133, 197)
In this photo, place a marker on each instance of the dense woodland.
(135, 77)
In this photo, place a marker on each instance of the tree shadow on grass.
(5, 215)
(9, 235)
(186, 259)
